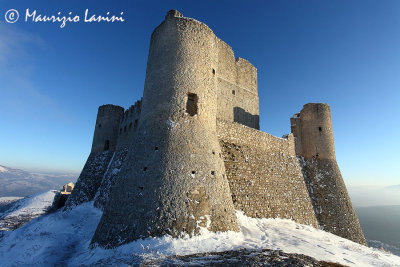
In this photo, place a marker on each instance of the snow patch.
(2, 169)
(171, 124)
(4, 200)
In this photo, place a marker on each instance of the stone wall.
(129, 125)
(332, 204)
(264, 174)
(237, 88)
(103, 194)
(90, 179)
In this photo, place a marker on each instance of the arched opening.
(107, 145)
(191, 104)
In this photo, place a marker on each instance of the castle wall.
(105, 140)
(264, 174)
(110, 177)
(332, 204)
(129, 125)
(237, 88)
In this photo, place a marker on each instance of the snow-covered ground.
(33, 205)
(23, 210)
(64, 238)
(6, 200)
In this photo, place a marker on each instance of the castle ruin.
(190, 152)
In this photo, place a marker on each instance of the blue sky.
(345, 53)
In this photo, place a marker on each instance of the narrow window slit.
(107, 145)
(191, 104)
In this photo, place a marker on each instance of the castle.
(190, 152)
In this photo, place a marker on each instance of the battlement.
(129, 124)
(108, 109)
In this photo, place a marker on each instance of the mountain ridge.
(21, 183)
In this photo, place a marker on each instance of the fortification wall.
(90, 179)
(237, 88)
(129, 125)
(110, 177)
(332, 204)
(264, 174)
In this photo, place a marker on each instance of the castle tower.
(175, 180)
(103, 146)
(312, 128)
(107, 126)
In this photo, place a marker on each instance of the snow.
(64, 238)
(171, 124)
(8, 199)
(32, 205)
(2, 169)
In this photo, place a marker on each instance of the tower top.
(173, 13)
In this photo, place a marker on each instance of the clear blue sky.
(345, 53)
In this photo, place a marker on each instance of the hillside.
(20, 183)
(64, 238)
(21, 211)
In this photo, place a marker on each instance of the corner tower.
(312, 128)
(175, 179)
(107, 125)
(104, 144)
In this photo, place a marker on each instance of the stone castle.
(190, 152)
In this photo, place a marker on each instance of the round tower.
(104, 144)
(107, 126)
(174, 181)
(332, 204)
(316, 131)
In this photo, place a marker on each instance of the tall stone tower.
(174, 178)
(312, 128)
(104, 144)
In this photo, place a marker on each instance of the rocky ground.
(243, 257)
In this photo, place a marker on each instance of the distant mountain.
(19, 183)
(394, 187)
